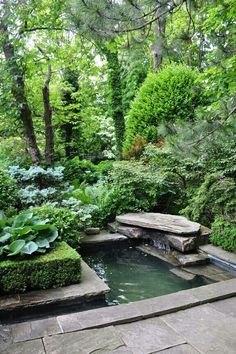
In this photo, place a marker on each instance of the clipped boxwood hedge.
(59, 267)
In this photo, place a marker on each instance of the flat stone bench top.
(219, 253)
(163, 222)
(91, 286)
(190, 321)
(102, 237)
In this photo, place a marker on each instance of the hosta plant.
(25, 235)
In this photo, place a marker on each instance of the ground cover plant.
(25, 235)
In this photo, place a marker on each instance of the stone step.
(191, 259)
(175, 224)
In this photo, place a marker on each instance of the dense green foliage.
(168, 96)
(224, 233)
(66, 222)
(98, 81)
(59, 267)
(25, 235)
(8, 192)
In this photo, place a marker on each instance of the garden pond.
(133, 275)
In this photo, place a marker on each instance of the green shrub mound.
(167, 96)
(66, 222)
(224, 233)
(8, 192)
(59, 267)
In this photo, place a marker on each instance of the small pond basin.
(134, 275)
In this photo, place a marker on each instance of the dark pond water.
(133, 275)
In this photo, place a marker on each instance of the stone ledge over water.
(175, 224)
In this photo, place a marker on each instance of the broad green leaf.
(29, 248)
(22, 219)
(42, 243)
(40, 227)
(15, 247)
(5, 237)
(54, 234)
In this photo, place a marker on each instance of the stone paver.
(30, 347)
(186, 322)
(5, 337)
(147, 336)
(179, 349)
(97, 341)
(34, 329)
(163, 222)
(103, 237)
(228, 306)
(205, 328)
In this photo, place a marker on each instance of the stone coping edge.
(144, 309)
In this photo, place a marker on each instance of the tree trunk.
(157, 48)
(49, 134)
(115, 86)
(18, 92)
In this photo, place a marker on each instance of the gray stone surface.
(179, 349)
(164, 256)
(219, 253)
(92, 231)
(214, 292)
(35, 329)
(30, 347)
(5, 337)
(162, 222)
(228, 306)
(203, 237)
(210, 272)
(112, 227)
(105, 316)
(102, 238)
(182, 244)
(191, 259)
(208, 330)
(147, 336)
(91, 286)
(97, 341)
(182, 274)
(131, 231)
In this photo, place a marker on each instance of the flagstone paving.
(188, 322)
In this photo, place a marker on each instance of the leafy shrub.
(140, 188)
(13, 152)
(26, 235)
(8, 192)
(60, 267)
(215, 196)
(131, 186)
(66, 222)
(224, 233)
(39, 185)
(104, 167)
(167, 96)
(102, 200)
(80, 171)
(136, 150)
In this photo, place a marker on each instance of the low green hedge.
(60, 267)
